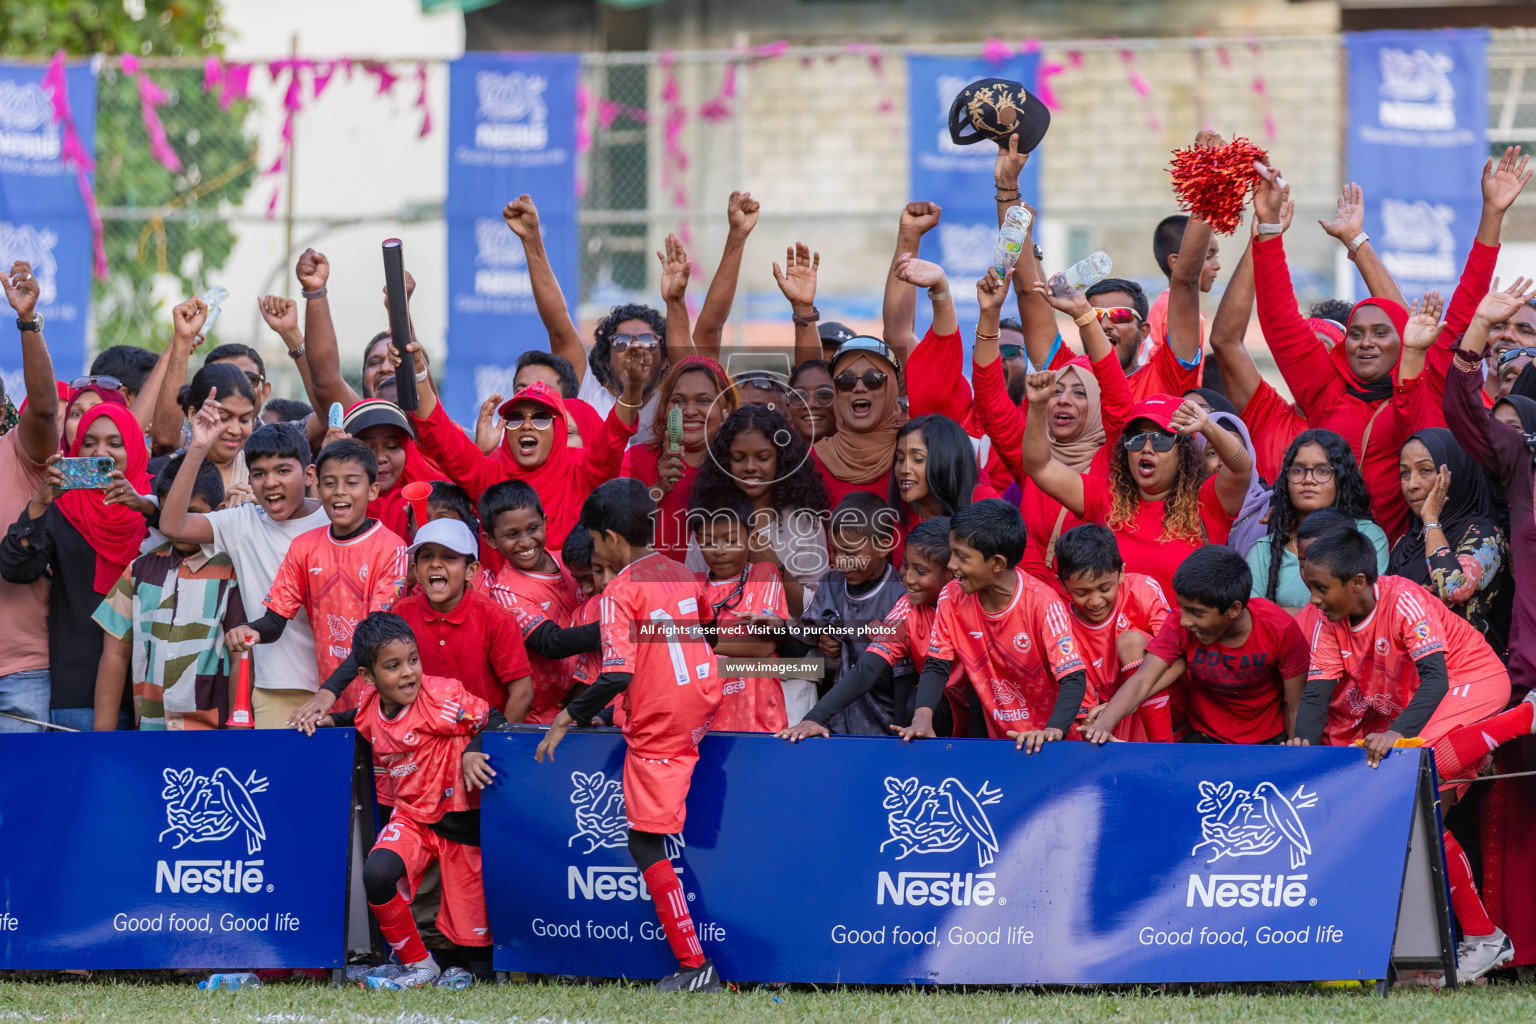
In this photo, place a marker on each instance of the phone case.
(91, 473)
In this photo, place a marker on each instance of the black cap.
(995, 108)
(833, 333)
(376, 412)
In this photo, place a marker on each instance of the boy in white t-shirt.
(255, 536)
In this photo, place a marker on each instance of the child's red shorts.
(462, 914)
(656, 791)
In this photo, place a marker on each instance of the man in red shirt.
(1245, 657)
(1012, 635)
(655, 654)
(1414, 670)
(419, 727)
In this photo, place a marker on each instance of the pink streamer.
(583, 134)
(1142, 87)
(237, 85)
(768, 50)
(719, 109)
(995, 52)
(1261, 87)
(1043, 75)
(72, 153)
(1075, 58)
(1223, 56)
(151, 97)
(213, 73)
(421, 101)
(386, 78)
(1029, 46)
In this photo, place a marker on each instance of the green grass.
(590, 1004)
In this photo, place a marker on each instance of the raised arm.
(1497, 447)
(931, 276)
(741, 216)
(1055, 479)
(675, 268)
(282, 315)
(175, 521)
(313, 270)
(1229, 329)
(523, 218)
(1420, 333)
(798, 283)
(188, 318)
(143, 407)
(898, 310)
(1041, 333)
(1236, 470)
(1184, 292)
(38, 428)
(1348, 226)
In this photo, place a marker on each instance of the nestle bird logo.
(600, 818)
(1241, 823)
(210, 808)
(929, 819)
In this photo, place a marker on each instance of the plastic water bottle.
(455, 978)
(214, 297)
(1010, 240)
(229, 982)
(1081, 275)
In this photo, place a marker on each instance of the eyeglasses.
(874, 380)
(1118, 315)
(256, 379)
(1510, 355)
(819, 397)
(537, 420)
(621, 342)
(1161, 441)
(1011, 351)
(96, 381)
(1296, 474)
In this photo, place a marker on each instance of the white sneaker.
(423, 972)
(1476, 955)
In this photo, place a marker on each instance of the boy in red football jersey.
(1245, 658)
(419, 727)
(671, 693)
(533, 586)
(1011, 634)
(337, 574)
(745, 598)
(1115, 614)
(1414, 669)
(881, 688)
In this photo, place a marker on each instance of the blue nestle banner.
(42, 215)
(511, 129)
(959, 178)
(1418, 137)
(155, 850)
(864, 860)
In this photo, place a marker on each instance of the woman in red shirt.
(700, 388)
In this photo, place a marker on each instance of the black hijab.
(1525, 387)
(1468, 502)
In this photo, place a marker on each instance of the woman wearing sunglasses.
(810, 404)
(699, 387)
(867, 406)
(1318, 471)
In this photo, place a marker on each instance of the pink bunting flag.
(72, 153)
(1043, 75)
(1142, 87)
(151, 98)
(718, 108)
(768, 50)
(421, 101)
(995, 52)
(1261, 88)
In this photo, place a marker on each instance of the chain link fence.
(818, 135)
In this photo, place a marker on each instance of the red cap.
(538, 392)
(1159, 409)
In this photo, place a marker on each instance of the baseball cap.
(866, 345)
(1159, 409)
(833, 333)
(376, 412)
(449, 533)
(995, 108)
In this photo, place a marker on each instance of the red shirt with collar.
(477, 643)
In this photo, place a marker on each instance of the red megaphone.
(240, 715)
(417, 494)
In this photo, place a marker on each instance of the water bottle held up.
(213, 298)
(1080, 276)
(1010, 240)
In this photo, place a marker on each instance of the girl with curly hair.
(1319, 471)
(700, 388)
(756, 452)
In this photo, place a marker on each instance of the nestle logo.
(608, 883)
(1247, 890)
(936, 888)
(187, 876)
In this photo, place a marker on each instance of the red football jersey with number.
(749, 705)
(674, 690)
(1375, 661)
(419, 749)
(1013, 657)
(1140, 605)
(534, 598)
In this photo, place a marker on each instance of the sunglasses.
(256, 379)
(96, 381)
(1011, 351)
(1161, 441)
(621, 342)
(873, 380)
(1510, 355)
(537, 420)
(1118, 315)
(762, 384)
(819, 397)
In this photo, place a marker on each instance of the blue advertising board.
(42, 215)
(1418, 137)
(864, 860)
(511, 129)
(959, 178)
(154, 850)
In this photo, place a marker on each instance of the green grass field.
(590, 1004)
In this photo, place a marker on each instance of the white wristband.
(1356, 242)
(1270, 229)
(421, 376)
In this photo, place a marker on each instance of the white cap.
(450, 533)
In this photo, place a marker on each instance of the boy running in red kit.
(419, 727)
(1010, 633)
(1413, 669)
(671, 693)
(1115, 614)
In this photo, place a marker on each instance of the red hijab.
(1379, 389)
(114, 531)
(555, 479)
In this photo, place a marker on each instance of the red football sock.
(1471, 743)
(399, 929)
(1465, 901)
(1155, 720)
(672, 909)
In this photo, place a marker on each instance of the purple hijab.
(1248, 527)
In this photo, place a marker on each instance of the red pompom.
(1213, 182)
